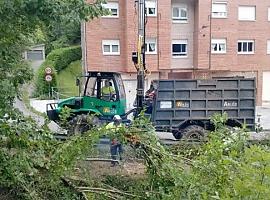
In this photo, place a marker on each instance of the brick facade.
(199, 29)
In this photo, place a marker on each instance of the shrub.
(58, 60)
(61, 58)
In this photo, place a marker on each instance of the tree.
(20, 20)
(25, 147)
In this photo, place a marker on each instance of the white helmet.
(117, 118)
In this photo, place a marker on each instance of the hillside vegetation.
(66, 79)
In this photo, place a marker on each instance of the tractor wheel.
(194, 132)
(83, 123)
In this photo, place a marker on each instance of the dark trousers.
(115, 150)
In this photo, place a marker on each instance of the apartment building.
(184, 39)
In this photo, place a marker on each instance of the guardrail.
(56, 94)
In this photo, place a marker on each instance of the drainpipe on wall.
(158, 46)
(210, 36)
(84, 48)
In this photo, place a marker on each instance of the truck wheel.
(194, 132)
(83, 123)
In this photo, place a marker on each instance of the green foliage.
(21, 20)
(64, 116)
(61, 58)
(33, 162)
(64, 34)
(226, 167)
(58, 60)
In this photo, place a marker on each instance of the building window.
(179, 14)
(247, 13)
(111, 47)
(218, 45)
(268, 46)
(219, 10)
(151, 46)
(151, 7)
(113, 7)
(245, 46)
(179, 48)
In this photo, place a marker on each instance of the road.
(38, 118)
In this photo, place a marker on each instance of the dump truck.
(184, 107)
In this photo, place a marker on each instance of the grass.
(67, 79)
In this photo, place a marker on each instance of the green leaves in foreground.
(225, 167)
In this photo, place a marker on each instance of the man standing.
(116, 147)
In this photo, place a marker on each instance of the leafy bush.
(61, 58)
(58, 60)
(33, 162)
(226, 167)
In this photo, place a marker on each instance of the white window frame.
(182, 41)
(149, 41)
(218, 42)
(110, 6)
(242, 9)
(180, 19)
(218, 13)
(246, 41)
(110, 43)
(151, 4)
(268, 13)
(268, 46)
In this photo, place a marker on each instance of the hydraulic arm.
(139, 56)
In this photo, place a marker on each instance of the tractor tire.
(194, 132)
(83, 123)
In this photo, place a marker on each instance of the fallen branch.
(89, 189)
(71, 185)
(107, 195)
(101, 160)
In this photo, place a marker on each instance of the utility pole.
(139, 56)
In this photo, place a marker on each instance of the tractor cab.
(106, 86)
(103, 95)
(105, 92)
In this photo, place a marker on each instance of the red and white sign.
(48, 70)
(48, 78)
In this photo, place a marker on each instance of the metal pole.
(141, 55)
(49, 90)
(210, 36)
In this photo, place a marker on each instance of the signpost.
(48, 78)
(48, 70)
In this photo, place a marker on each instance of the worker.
(116, 147)
(149, 97)
(107, 91)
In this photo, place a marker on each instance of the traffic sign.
(48, 78)
(48, 70)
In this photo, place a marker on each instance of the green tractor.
(103, 97)
(104, 94)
